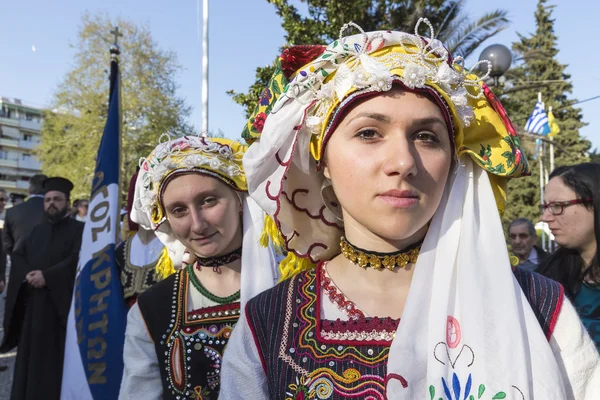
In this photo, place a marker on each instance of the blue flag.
(93, 365)
(538, 121)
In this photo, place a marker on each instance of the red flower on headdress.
(259, 122)
(295, 57)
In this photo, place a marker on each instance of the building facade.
(20, 134)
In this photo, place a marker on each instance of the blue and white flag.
(538, 121)
(93, 365)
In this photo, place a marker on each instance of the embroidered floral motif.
(457, 389)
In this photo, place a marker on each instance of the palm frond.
(466, 39)
(452, 14)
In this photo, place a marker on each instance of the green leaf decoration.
(335, 43)
(326, 55)
(499, 395)
(481, 390)
(431, 391)
(275, 87)
(323, 72)
(471, 397)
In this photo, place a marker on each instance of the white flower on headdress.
(414, 76)
(466, 115)
(362, 78)
(459, 97)
(326, 92)
(231, 171)
(158, 172)
(147, 199)
(383, 83)
(215, 163)
(192, 161)
(447, 76)
(314, 124)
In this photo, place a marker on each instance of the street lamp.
(500, 57)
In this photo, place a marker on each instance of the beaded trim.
(378, 261)
(217, 313)
(373, 335)
(219, 260)
(337, 297)
(204, 291)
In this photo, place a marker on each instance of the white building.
(20, 127)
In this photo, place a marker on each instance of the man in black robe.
(50, 255)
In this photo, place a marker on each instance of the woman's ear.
(326, 166)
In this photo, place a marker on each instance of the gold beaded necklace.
(378, 261)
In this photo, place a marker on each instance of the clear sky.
(243, 35)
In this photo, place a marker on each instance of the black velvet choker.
(217, 261)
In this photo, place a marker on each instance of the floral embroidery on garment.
(457, 389)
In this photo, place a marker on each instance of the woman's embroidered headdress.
(216, 157)
(305, 98)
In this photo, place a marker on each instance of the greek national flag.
(93, 364)
(538, 121)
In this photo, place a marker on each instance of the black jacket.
(20, 221)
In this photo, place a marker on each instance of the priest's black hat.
(59, 184)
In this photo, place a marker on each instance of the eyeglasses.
(558, 207)
(3, 199)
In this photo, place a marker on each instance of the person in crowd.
(137, 257)
(18, 225)
(192, 192)
(3, 258)
(50, 256)
(571, 209)
(3, 201)
(80, 209)
(522, 237)
(17, 198)
(384, 161)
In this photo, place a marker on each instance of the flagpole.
(541, 162)
(550, 244)
(204, 130)
(115, 52)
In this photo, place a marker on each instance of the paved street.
(5, 359)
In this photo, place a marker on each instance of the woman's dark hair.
(566, 265)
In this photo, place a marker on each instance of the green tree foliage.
(74, 123)
(538, 70)
(325, 18)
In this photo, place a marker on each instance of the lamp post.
(500, 57)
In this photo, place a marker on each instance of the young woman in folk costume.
(192, 192)
(385, 161)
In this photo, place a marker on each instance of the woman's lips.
(400, 198)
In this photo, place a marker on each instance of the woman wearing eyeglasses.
(572, 211)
